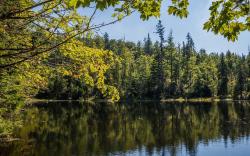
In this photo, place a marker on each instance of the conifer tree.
(223, 77)
(106, 41)
(139, 50)
(148, 45)
(240, 83)
(157, 68)
(171, 61)
(248, 74)
(187, 64)
(170, 50)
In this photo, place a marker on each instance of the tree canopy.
(58, 21)
(32, 31)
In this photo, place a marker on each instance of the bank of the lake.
(181, 99)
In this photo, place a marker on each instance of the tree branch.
(10, 14)
(63, 42)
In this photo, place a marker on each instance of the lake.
(146, 128)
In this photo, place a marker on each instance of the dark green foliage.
(248, 74)
(160, 31)
(157, 70)
(67, 88)
(106, 42)
(139, 50)
(241, 80)
(188, 48)
(160, 70)
(172, 61)
(148, 49)
(201, 90)
(223, 77)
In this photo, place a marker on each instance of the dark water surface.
(174, 129)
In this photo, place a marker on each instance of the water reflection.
(132, 129)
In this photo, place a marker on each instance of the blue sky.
(134, 29)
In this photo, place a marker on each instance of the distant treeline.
(159, 70)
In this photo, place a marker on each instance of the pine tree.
(248, 73)
(170, 50)
(223, 77)
(106, 41)
(157, 74)
(160, 31)
(99, 42)
(171, 63)
(139, 50)
(148, 45)
(189, 45)
(188, 63)
(240, 83)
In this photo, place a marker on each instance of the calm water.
(64, 129)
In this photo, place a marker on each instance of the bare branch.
(91, 17)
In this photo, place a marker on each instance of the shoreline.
(181, 100)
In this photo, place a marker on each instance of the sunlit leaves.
(90, 66)
(79, 62)
(228, 18)
(24, 81)
(85, 3)
(179, 8)
(73, 3)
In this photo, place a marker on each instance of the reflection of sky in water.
(220, 148)
(241, 147)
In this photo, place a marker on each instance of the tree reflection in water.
(106, 129)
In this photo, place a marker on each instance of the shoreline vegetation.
(115, 69)
(180, 100)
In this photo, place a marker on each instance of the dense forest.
(159, 70)
(143, 70)
(50, 50)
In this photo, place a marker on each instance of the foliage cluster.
(149, 71)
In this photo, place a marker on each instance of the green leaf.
(73, 3)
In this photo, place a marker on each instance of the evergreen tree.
(157, 75)
(170, 50)
(187, 65)
(99, 42)
(201, 56)
(106, 41)
(240, 83)
(160, 31)
(248, 62)
(171, 62)
(148, 45)
(248, 74)
(120, 47)
(139, 50)
(189, 46)
(223, 77)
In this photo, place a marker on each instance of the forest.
(49, 50)
(147, 70)
(99, 67)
